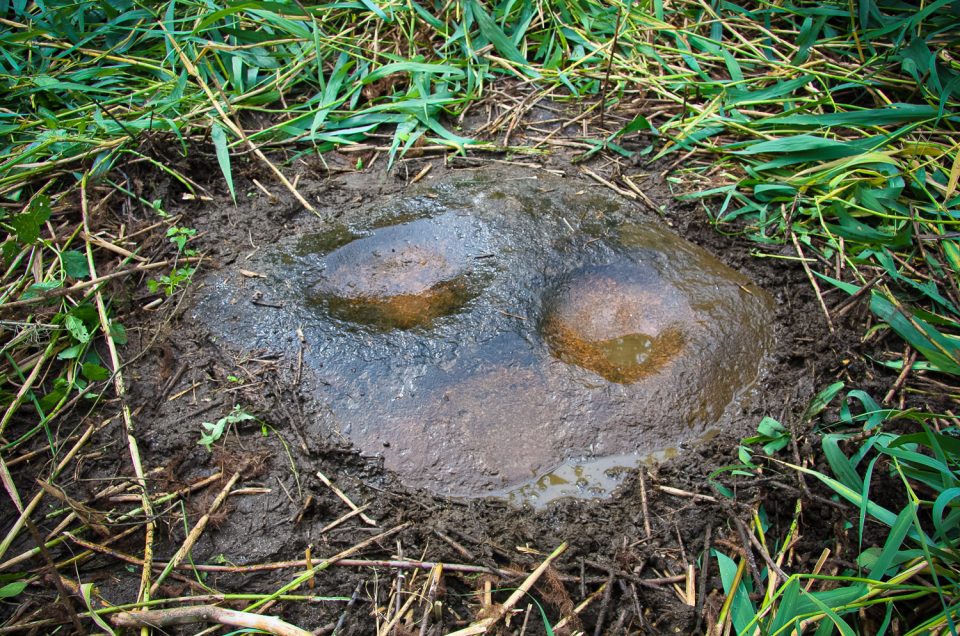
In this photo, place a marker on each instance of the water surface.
(496, 331)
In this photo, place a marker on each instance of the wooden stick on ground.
(208, 614)
(326, 563)
(813, 282)
(598, 593)
(339, 493)
(482, 626)
(436, 574)
(21, 520)
(95, 281)
(336, 522)
(121, 392)
(194, 534)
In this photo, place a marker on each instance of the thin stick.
(467, 554)
(691, 591)
(613, 53)
(339, 493)
(21, 520)
(121, 391)
(436, 574)
(207, 614)
(194, 534)
(294, 565)
(643, 503)
(605, 603)
(96, 280)
(398, 614)
(92, 547)
(28, 383)
(8, 484)
(336, 522)
(501, 611)
(813, 282)
(66, 599)
(908, 361)
(593, 175)
(683, 493)
(600, 591)
(346, 611)
(704, 569)
(326, 563)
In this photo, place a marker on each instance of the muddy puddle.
(502, 333)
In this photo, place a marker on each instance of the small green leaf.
(821, 400)
(12, 589)
(771, 427)
(223, 156)
(70, 353)
(94, 372)
(50, 400)
(27, 224)
(213, 433)
(118, 332)
(38, 289)
(77, 329)
(636, 125)
(75, 264)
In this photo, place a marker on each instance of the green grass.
(824, 132)
(909, 583)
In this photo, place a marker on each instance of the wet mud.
(492, 331)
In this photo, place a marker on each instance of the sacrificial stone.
(621, 321)
(401, 276)
(479, 333)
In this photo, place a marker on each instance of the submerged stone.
(621, 321)
(487, 331)
(400, 276)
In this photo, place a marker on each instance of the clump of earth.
(503, 333)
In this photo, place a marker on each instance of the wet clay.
(484, 331)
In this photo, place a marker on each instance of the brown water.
(494, 333)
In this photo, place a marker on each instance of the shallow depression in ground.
(489, 328)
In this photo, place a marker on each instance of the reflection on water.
(503, 335)
(589, 479)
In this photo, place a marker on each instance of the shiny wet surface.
(492, 330)
(401, 276)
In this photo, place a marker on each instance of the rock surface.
(482, 332)
(400, 276)
(621, 321)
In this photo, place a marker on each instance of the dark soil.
(628, 556)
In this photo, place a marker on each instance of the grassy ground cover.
(827, 133)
